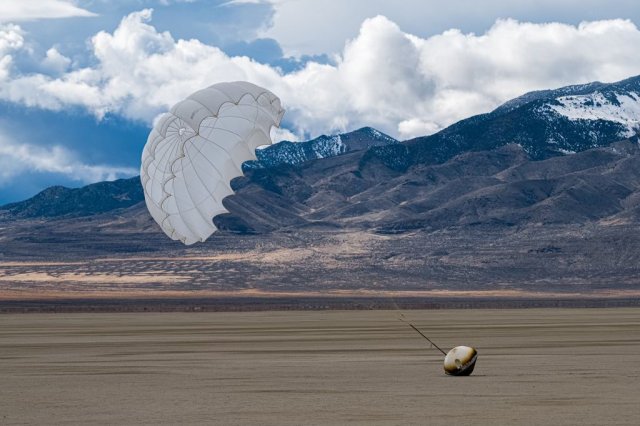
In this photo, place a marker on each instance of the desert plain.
(535, 366)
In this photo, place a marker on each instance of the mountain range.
(541, 194)
(545, 123)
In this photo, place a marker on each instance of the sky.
(82, 81)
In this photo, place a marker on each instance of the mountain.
(293, 153)
(493, 221)
(501, 187)
(106, 196)
(89, 200)
(470, 209)
(545, 123)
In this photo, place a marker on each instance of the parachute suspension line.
(420, 333)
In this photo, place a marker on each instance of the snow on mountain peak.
(379, 135)
(329, 147)
(615, 107)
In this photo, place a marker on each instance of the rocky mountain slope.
(491, 223)
(472, 208)
(294, 153)
(501, 187)
(545, 123)
(106, 196)
(85, 201)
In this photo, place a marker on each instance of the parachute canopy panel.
(195, 150)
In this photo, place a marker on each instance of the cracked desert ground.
(535, 366)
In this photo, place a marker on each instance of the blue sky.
(82, 81)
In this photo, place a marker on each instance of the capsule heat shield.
(460, 361)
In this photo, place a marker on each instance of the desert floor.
(535, 366)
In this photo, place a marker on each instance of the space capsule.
(460, 361)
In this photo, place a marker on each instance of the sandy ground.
(538, 367)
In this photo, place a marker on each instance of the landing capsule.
(460, 361)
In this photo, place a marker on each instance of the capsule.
(460, 361)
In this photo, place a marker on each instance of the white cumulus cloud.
(384, 77)
(55, 61)
(11, 39)
(17, 158)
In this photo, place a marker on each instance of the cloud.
(312, 27)
(280, 134)
(55, 61)
(18, 158)
(11, 40)
(139, 73)
(31, 10)
(402, 84)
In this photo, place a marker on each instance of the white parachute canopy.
(196, 149)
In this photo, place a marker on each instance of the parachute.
(195, 150)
